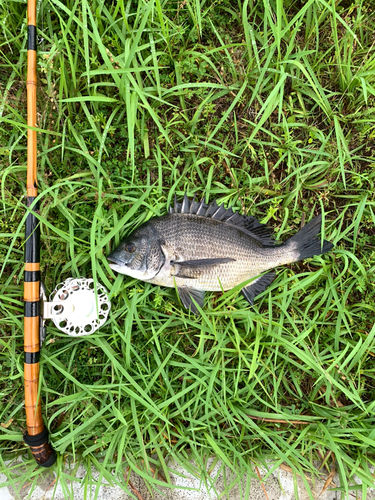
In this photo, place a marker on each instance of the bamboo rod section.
(36, 435)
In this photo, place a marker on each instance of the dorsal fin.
(185, 207)
(219, 212)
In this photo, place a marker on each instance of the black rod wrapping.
(32, 235)
(32, 309)
(31, 37)
(38, 439)
(31, 358)
(32, 276)
(52, 459)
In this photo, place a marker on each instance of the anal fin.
(186, 295)
(257, 286)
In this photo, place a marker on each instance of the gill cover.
(139, 255)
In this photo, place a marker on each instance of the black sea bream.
(198, 247)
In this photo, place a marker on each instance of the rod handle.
(42, 451)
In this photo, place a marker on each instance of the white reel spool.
(73, 306)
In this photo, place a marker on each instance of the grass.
(268, 107)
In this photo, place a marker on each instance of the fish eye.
(129, 247)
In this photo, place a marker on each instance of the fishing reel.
(77, 307)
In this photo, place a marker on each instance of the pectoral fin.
(192, 269)
(186, 295)
(257, 286)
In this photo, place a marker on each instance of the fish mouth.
(115, 261)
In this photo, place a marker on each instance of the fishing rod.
(36, 435)
(77, 306)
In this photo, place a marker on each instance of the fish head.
(139, 255)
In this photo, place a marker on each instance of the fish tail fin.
(306, 244)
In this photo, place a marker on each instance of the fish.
(198, 247)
